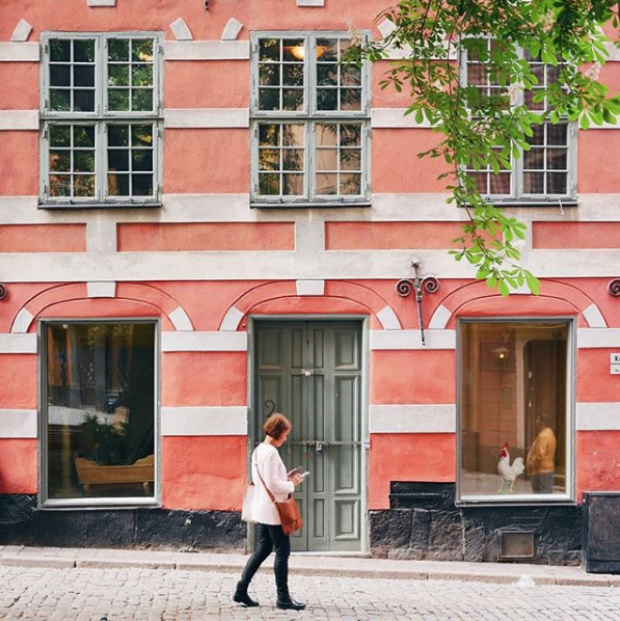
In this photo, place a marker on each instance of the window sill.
(73, 206)
(528, 501)
(310, 205)
(87, 504)
(560, 203)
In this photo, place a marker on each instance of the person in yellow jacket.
(541, 457)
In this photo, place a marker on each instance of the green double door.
(311, 372)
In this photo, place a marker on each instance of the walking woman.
(267, 463)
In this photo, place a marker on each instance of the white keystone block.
(231, 30)
(22, 31)
(181, 30)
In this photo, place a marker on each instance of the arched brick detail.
(340, 297)
(152, 301)
(555, 298)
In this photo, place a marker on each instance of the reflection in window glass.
(100, 410)
(513, 409)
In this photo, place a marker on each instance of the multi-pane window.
(101, 116)
(310, 121)
(547, 170)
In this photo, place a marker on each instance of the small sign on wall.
(614, 367)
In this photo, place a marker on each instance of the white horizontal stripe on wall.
(598, 338)
(18, 423)
(598, 416)
(18, 343)
(412, 339)
(413, 418)
(204, 341)
(207, 50)
(394, 118)
(19, 52)
(197, 118)
(19, 120)
(204, 421)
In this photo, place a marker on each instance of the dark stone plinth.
(601, 532)
(423, 522)
(21, 523)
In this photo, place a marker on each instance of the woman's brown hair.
(276, 425)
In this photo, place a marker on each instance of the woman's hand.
(297, 479)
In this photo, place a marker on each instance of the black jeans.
(270, 538)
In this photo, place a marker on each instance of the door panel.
(312, 373)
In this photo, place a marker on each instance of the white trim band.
(598, 416)
(18, 344)
(207, 50)
(205, 118)
(598, 338)
(22, 120)
(413, 418)
(310, 287)
(204, 421)
(204, 341)
(412, 339)
(18, 424)
(19, 52)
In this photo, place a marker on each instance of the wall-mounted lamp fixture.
(419, 285)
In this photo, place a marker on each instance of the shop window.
(310, 121)
(515, 429)
(101, 113)
(99, 412)
(548, 170)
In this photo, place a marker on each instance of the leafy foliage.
(490, 127)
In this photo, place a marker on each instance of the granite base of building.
(423, 522)
(22, 523)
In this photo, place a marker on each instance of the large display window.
(515, 404)
(99, 412)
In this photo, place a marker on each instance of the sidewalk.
(498, 573)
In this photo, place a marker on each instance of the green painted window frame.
(101, 118)
(517, 195)
(310, 117)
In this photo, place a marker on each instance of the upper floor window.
(548, 170)
(101, 114)
(310, 121)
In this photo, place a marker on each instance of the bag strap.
(271, 496)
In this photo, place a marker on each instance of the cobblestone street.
(47, 594)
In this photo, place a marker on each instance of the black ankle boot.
(289, 604)
(241, 597)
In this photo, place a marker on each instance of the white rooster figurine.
(508, 472)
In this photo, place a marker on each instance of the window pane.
(84, 101)
(60, 135)
(60, 185)
(142, 135)
(293, 50)
(142, 99)
(84, 136)
(142, 185)
(118, 50)
(534, 159)
(60, 75)
(118, 159)
(269, 74)
(142, 50)
(327, 99)
(350, 159)
(327, 184)
(60, 51)
(60, 100)
(293, 75)
(84, 161)
(513, 409)
(350, 184)
(142, 160)
(269, 98)
(83, 51)
(118, 75)
(269, 134)
(118, 99)
(84, 75)
(293, 135)
(500, 184)
(100, 410)
(351, 76)
(327, 135)
(557, 159)
(293, 159)
(142, 75)
(557, 183)
(269, 184)
(118, 185)
(269, 159)
(118, 135)
(327, 50)
(269, 49)
(557, 134)
(60, 161)
(327, 75)
(350, 135)
(293, 185)
(327, 159)
(350, 99)
(84, 185)
(292, 99)
(534, 183)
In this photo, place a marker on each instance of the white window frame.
(517, 194)
(101, 118)
(521, 499)
(310, 117)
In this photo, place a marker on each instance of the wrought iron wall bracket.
(614, 287)
(419, 285)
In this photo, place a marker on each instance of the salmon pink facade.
(205, 218)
